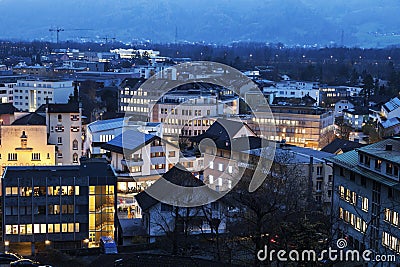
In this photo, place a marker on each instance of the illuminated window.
(211, 179)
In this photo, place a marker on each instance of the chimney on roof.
(389, 147)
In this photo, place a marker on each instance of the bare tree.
(278, 213)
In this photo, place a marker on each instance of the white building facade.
(29, 95)
(64, 126)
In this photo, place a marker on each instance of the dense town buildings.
(61, 206)
(365, 202)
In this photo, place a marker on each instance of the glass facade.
(101, 212)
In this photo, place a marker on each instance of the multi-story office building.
(295, 89)
(225, 159)
(190, 113)
(64, 128)
(297, 125)
(29, 95)
(133, 99)
(24, 143)
(144, 100)
(366, 197)
(59, 206)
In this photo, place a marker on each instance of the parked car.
(25, 262)
(7, 257)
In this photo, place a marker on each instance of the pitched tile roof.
(30, 119)
(59, 108)
(178, 175)
(7, 108)
(341, 144)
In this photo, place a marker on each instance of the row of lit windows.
(351, 197)
(184, 112)
(220, 167)
(41, 191)
(391, 217)
(41, 210)
(171, 130)
(138, 92)
(391, 242)
(355, 221)
(278, 122)
(135, 109)
(34, 85)
(189, 132)
(157, 154)
(390, 169)
(101, 190)
(158, 166)
(211, 181)
(135, 101)
(29, 229)
(290, 130)
(186, 122)
(287, 138)
(136, 168)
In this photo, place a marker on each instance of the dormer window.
(378, 164)
(366, 160)
(389, 168)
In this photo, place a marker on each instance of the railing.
(132, 162)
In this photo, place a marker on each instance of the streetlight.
(85, 243)
(47, 243)
(6, 245)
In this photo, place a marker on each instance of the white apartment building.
(295, 89)
(64, 126)
(29, 95)
(134, 53)
(342, 105)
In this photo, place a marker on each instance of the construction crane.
(58, 30)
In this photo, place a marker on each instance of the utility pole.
(57, 30)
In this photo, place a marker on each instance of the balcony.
(132, 162)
